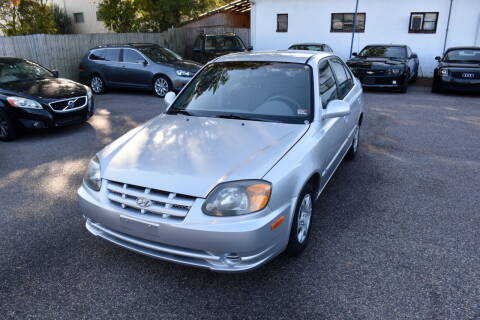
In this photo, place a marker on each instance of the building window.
(78, 17)
(343, 22)
(423, 22)
(282, 22)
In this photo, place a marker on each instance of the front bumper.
(382, 81)
(180, 82)
(454, 84)
(224, 244)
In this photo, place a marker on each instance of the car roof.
(463, 48)
(126, 45)
(386, 45)
(297, 56)
(11, 59)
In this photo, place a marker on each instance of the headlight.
(89, 93)
(393, 71)
(92, 177)
(183, 73)
(238, 198)
(23, 103)
(443, 72)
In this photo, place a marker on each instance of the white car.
(227, 178)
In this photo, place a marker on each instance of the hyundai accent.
(227, 178)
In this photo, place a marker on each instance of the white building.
(83, 14)
(421, 24)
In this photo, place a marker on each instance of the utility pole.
(354, 27)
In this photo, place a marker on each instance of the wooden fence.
(64, 52)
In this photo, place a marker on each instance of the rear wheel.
(97, 84)
(8, 129)
(302, 221)
(161, 86)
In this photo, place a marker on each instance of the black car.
(145, 66)
(33, 97)
(385, 66)
(210, 46)
(311, 47)
(459, 70)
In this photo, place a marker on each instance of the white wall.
(387, 21)
(89, 9)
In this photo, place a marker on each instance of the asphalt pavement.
(396, 234)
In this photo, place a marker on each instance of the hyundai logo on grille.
(144, 203)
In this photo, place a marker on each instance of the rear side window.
(96, 55)
(132, 56)
(112, 55)
(344, 79)
(326, 81)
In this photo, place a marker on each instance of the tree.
(26, 17)
(62, 20)
(151, 15)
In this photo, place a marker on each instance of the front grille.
(167, 205)
(461, 75)
(368, 72)
(379, 80)
(67, 105)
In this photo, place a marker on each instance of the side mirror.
(414, 56)
(438, 58)
(354, 54)
(249, 48)
(336, 109)
(55, 73)
(169, 98)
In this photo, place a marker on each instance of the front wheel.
(8, 129)
(302, 221)
(97, 84)
(161, 86)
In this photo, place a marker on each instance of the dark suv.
(210, 46)
(138, 66)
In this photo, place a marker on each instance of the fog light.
(394, 82)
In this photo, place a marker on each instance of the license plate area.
(138, 227)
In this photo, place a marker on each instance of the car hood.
(374, 63)
(186, 65)
(51, 88)
(191, 155)
(444, 64)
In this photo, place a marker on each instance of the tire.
(8, 128)
(352, 152)
(404, 87)
(436, 87)
(302, 221)
(161, 86)
(97, 84)
(415, 77)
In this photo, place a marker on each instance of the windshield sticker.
(302, 112)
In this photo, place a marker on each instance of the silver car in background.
(227, 178)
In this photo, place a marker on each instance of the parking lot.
(396, 234)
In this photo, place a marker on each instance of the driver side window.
(327, 85)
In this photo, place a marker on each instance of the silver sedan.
(227, 178)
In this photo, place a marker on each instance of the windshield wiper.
(179, 111)
(235, 117)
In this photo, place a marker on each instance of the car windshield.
(160, 54)
(467, 55)
(261, 91)
(22, 71)
(310, 47)
(384, 52)
(223, 43)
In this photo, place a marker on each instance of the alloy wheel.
(96, 84)
(161, 87)
(304, 218)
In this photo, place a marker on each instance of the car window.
(327, 84)
(223, 43)
(22, 71)
(343, 78)
(159, 54)
(112, 55)
(132, 56)
(409, 52)
(463, 55)
(96, 55)
(308, 47)
(395, 52)
(263, 91)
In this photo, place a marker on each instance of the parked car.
(33, 97)
(210, 46)
(458, 69)
(144, 66)
(311, 47)
(385, 66)
(227, 178)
